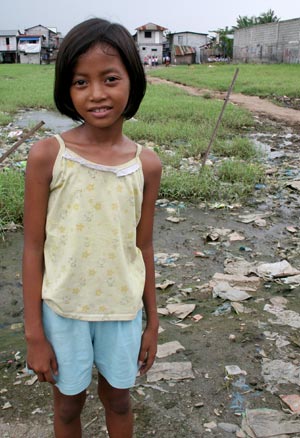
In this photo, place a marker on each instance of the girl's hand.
(41, 359)
(148, 349)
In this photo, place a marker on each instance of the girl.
(88, 256)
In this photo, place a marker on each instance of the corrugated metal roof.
(184, 50)
(151, 26)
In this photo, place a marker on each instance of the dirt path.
(252, 103)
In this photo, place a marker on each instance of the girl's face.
(100, 87)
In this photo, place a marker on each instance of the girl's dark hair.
(77, 41)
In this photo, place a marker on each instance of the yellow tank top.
(93, 269)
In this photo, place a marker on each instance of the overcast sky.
(176, 15)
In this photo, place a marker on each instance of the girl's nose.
(97, 91)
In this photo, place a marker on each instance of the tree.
(223, 41)
(268, 17)
(265, 17)
(244, 21)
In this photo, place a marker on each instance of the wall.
(150, 46)
(30, 58)
(12, 43)
(190, 39)
(268, 43)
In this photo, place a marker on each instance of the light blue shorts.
(113, 346)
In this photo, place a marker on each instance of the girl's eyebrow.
(110, 70)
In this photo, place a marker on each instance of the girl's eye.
(79, 82)
(111, 79)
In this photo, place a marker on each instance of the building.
(149, 39)
(49, 41)
(185, 47)
(38, 44)
(8, 46)
(29, 49)
(268, 43)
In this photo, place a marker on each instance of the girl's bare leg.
(67, 410)
(118, 412)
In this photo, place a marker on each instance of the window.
(153, 50)
(180, 40)
(7, 41)
(148, 34)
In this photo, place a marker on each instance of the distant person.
(88, 265)
(168, 61)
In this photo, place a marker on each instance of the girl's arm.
(152, 173)
(40, 356)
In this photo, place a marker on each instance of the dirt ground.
(208, 400)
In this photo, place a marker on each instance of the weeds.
(11, 197)
(177, 125)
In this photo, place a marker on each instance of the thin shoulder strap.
(139, 149)
(61, 143)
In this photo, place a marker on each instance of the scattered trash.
(228, 427)
(14, 134)
(262, 423)
(165, 284)
(294, 185)
(234, 370)
(223, 309)
(164, 350)
(276, 270)
(293, 402)
(284, 317)
(234, 237)
(257, 219)
(279, 371)
(163, 259)
(175, 219)
(31, 381)
(181, 310)
(37, 411)
(249, 284)
(209, 426)
(197, 318)
(170, 371)
(226, 292)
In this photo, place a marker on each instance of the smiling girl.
(88, 266)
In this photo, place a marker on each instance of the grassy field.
(178, 126)
(261, 80)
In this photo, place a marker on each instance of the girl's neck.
(90, 135)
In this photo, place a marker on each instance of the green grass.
(11, 197)
(261, 80)
(179, 127)
(170, 117)
(24, 86)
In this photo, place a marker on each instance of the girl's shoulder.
(43, 154)
(150, 162)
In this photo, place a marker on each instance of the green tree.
(267, 17)
(225, 41)
(244, 21)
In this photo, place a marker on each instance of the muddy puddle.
(257, 335)
(52, 119)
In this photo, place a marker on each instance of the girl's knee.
(68, 408)
(68, 413)
(118, 406)
(113, 399)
